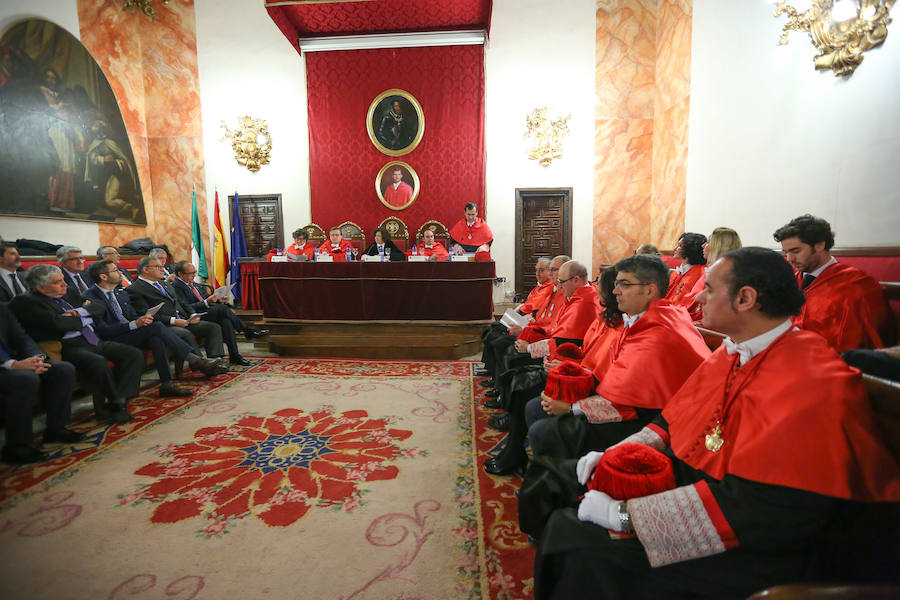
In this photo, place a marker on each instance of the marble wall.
(152, 68)
(640, 141)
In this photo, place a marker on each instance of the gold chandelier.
(547, 129)
(251, 142)
(146, 6)
(841, 30)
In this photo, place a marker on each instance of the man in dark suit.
(24, 375)
(216, 311)
(110, 253)
(121, 323)
(12, 280)
(48, 317)
(149, 290)
(72, 263)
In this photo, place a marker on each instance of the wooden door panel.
(543, 228)
(262, 223)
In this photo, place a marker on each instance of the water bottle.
(414, 250)
(315, 252)
(381, 253)
(349, 254)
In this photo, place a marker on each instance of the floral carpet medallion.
(275, 468)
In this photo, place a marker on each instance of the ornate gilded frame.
(389, 167)
(380, 105)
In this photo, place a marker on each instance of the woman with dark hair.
(687, 279)
(384, 246)
(301, 249)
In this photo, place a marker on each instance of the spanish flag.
(221, 263)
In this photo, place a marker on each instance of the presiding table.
(376, 291)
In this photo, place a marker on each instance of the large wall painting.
(65, 151)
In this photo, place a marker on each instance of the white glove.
(586, 466)
(600, 509)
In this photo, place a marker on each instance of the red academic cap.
(483, 255)
(569, 382)
(631, 471)
(569, 351)
(533, 333)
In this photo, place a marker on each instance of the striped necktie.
(87, 331)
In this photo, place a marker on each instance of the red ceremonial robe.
(846, 307)
(437, 248)
(684, 289)
(293, 251)
(536, 297)
(578, 313)
(794, 416)
(400, 196)
(597, 342)
(646, 364)
(479, 233)
(339, 253)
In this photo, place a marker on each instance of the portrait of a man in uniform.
(395, 123)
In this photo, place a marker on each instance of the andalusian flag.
(198, 255)
(221, 263)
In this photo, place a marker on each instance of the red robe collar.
(477, 234)
(796, 415)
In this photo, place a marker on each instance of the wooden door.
(261, 220)
(543, 228)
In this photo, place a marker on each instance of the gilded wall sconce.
(547, 129)
(251, 142)
(841, 30)
(146, 6)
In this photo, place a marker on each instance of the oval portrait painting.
(65, 151)
(397, 185)
(395, 122)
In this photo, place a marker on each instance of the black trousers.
(91, 362)
(20, 388)
(229, 322)
(157, 338)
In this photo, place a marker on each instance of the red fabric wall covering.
(447, 81)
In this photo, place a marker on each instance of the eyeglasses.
(75, 258)
(189, 272)
(154, 267)
(554, 270)
(562, 281)
(621, 283)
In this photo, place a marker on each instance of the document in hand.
(153, 309)
(511, 317)
(224, 290)
(196, 315)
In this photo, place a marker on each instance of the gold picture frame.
(404, 197)
(395, 122)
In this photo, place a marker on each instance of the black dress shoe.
(209, 366)
(22, 455)
(532, 540)
(169, 389)
(494, 467)
(250, 333)
(493, 403)
(487, 383)
(500, 422)
(240, 360)
(118, 413)
(63, 436)
(492, 393)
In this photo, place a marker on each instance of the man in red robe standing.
(470, 232)
(768, 439)
(844, 305)
(398, 193)
(657, 350)
(336, 246)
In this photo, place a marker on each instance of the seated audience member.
(656, 351)
(214, 309)
(686, 281)
(72, 263)
(24, 377)
(301, 249)
(470, 232)
(384, 246)
(884, 362)
(165, 259)
(844, 305)
(647, 249)
(580, 310)
(121, 323)
(110, 253)
(12, 279)
(430, 247)
(336, 246)
(721, 241)
(48, 317)
(768, 438)
(150, 290)
(499, 334)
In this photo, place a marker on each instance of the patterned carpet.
(292, 478)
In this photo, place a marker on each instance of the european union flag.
(238, 247)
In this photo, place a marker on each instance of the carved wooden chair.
(316, 234)
(399, 232)
(441, 233)
(353, 232)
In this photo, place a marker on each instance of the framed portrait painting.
(65, 151)
(395, 122)
(397, 185)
